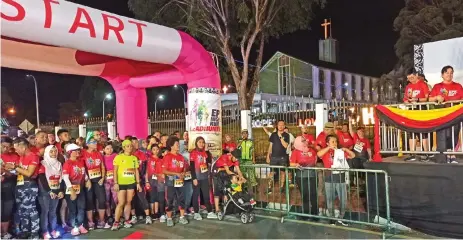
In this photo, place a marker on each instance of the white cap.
(72, 147)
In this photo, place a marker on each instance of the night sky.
(363, 28)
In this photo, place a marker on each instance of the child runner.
(126, 180)
(74, 177)
(174, 169)
(108, 157)
(154, 168)
(199, 167)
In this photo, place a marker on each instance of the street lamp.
(109, 97)
(86, 114)
(12, 111)
(36, 99)
(160, 97)
(184, 97)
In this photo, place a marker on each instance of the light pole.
(36, 99)
(85, 114)
(160, 97)
(109, 97)
(184, 97)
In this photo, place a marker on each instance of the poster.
(205, 118)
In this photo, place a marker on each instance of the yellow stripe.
(425, 115)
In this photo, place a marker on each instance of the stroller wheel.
(250, 217)
(220, 216)
(244, 218)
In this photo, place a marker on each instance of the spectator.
(277, 154)
(321, 138)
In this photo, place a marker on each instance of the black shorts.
(132, 186)
(280, 161)
(220, 180)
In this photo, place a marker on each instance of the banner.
(205, 118)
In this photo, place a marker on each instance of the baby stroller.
(239, 203)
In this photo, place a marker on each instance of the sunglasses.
(92, 142)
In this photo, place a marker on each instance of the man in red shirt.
(63, 136)
(321, 138)
(308, 137)
(10, 158)
(41, 141)
(344, 135)
(447, 90)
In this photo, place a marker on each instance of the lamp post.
(184, 97)
(86, 114)
(160, 97)
(36, 99)
(109, 97)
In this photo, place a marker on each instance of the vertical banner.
(205, 118)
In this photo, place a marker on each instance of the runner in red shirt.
(155, 181)
(228, 145)
(63, 136)
(41, 141)
(8, 159)
(175, 168)
(96, 172)
(74, 176)
(26, 187)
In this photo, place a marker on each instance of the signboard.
(26, 126)
(205, 113)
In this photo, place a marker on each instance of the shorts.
(220, 180)
(155, 195)
(279, 161)
(132, 186)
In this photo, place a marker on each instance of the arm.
(269, 152)
(137, 177)
(44, 182)
(238, 170)
(192, 170)
(284, 142)
(227, 169)
(369, 153)
(351, 129)
(116, 167)
(323, 152)
(67, 181)
(26, 172)
(350, 154)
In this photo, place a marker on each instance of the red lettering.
(115, 29)
(48, 13)
(78, 24)
(21, 12)
(140, 32)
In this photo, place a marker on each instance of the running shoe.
(7, 236)
(101, 225)
(55, 234)
(82, 229)
(75, 231)
(212, 215)
(107, 226)
(115, 226)
(133, 220)
(170, 222)
(127, 224)
(46, 236)
(183, 220)
(148, 220)
(411, 158)
(163, 219)
(198, 217)
(91, 226)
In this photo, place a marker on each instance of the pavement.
(263, 227)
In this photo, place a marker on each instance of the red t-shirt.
(99, 147)
(321, 140)
(309, 138)
(416, 90)
(153, 165)
(230, 146)
(328, 158)
(12, 158)
(31, 159)
(174, 163)
(142, 157)
(345, 139)
(36, 150)
(361, 144)
(75, 170)
(93, 161)
(451, 91)
(307, 159)
(58, 146)
(226, 160)
(200, 160)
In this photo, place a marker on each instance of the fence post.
(112, 130)
(57, 128)
(246, 121)
(82, 130)
(321, 110)
(149, 127)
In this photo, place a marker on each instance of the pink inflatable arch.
(62, 37)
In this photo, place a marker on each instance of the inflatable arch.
(62, 37)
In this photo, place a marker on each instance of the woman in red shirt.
(302, 157)
(155, 182)
(344, 136)
(228, 145)
(75, 179)
(175, 168)
(96, 172)
(225, 166)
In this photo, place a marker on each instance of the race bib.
(110, 174)
(178, 182)
(358, 147)
(76, 189)
(187, 176)
(94, 173)
(129, 172)
(54, 184)
(154, 177)
(203, 168)
(20, 180)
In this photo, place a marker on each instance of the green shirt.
(246, 147)
(126, 168)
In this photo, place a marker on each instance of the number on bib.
(54, 184)
(129, 172)
(187, 176)
(20, 180)
(94, 173)
(76, 189)
(154, 177)
(203, 168)
(178, 183)
(358, 147)
(110, 174)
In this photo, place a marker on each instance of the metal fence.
(168, 121)
(348, 195)
(394, 140)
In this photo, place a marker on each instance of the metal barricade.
(357, 196)
(397, 141)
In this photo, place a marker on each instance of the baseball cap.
(126, 143)
(329, 125)
(72, 147)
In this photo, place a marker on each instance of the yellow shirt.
(126, 168)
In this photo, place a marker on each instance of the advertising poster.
(205, 118)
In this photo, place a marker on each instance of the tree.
(423, 21)
(224, 25)
(69, 110)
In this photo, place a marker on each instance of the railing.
(321, 193)
(397, 141)
(168, 121)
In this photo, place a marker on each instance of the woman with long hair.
(199, 167)
(50, 191)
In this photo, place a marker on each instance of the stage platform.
(427, 197)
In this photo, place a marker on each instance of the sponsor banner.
(205, 118)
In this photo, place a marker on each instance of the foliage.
(6, 99)
(423, 21)
(91, 96)
(225, 25)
